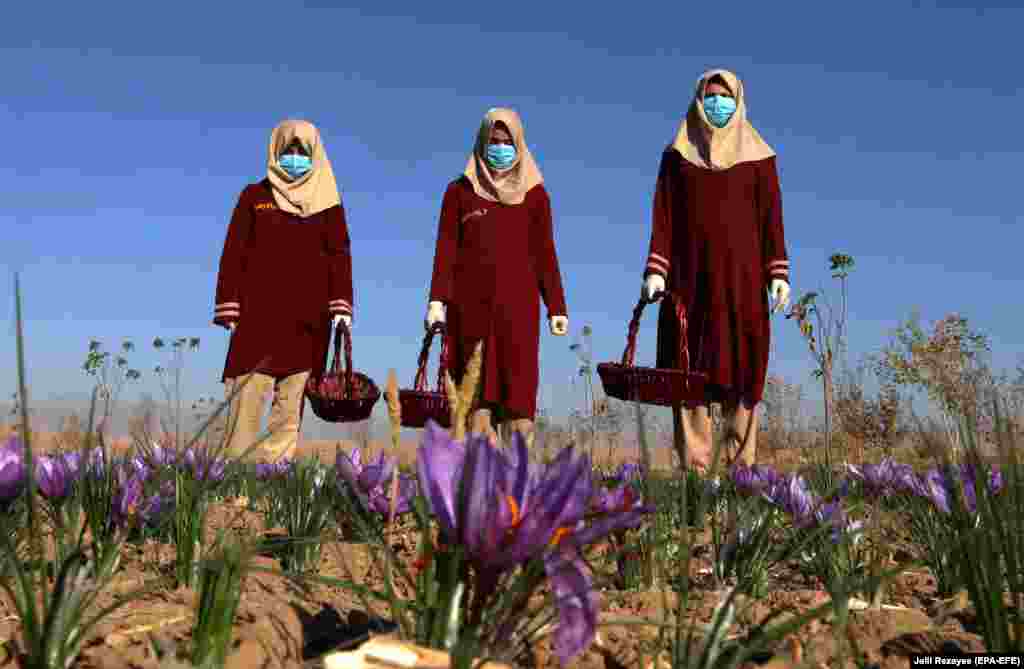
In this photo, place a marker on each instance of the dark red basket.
(420, 404)
(649, 385)
(342, 396)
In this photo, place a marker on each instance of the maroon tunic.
(717, 238)
(492, 266)
(281, 278)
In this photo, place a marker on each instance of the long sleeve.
(339, 263)
(546, 258)
(446, 250)
(228, 300)
(659, 253)
(769, 205)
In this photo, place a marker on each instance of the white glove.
(654, 284)
(778, 291)
(559, 325)
(435, 314)
(343, 317)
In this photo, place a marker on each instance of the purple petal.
(479, 522)
(556, 505)
(601, 527)
(575, 601)
(439, 462)
(52, 477)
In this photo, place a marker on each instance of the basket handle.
(421, 371)
(339, 330)
(634, 328)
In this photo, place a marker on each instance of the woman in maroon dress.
(717, 243)
(494, 262)
(286, 270)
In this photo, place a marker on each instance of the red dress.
(717, 238)
(281, 278)
(492, 266)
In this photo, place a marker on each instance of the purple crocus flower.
(156, 457)
(932, 487)
(53, 477)
(620, 498)
(793, 495)
(380, 501)
(266, 471)
(753, 480)
(372, 481)
(127, 500)
(12, 469)
(833, 514)
(204, 465)
(159, 503)
(878, 480)
(502, 522)
(512, 513)
(575, 601)
(968, 480)
(628, 472)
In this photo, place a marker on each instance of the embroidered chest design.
(474, 214)
(264, 206)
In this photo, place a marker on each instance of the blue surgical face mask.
(719, 109)
(501, 156)
(295, 164)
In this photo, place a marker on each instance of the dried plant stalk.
(467, 392)
(453, 397)
(395, 416)
(394, 409)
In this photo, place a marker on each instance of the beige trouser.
(481, 422)
(246, 410)
(692, 429)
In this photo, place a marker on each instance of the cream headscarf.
(506, 186)
(315, 190)
(704, 145)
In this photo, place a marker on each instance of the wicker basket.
(342, 396)
(420, 404)
(648, 385)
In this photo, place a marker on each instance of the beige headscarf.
(506, 186)
(315, 190)
(704, 145)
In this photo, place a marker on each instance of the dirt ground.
(281, 625)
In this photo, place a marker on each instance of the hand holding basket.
(420, 404)
(342, 396)
(649, 385)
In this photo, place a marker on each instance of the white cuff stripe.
(657, 266)
(655, 256)
(227, 305)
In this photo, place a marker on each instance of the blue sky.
(131, 131)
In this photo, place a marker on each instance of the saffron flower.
(629, 472)
(881, 479)
(12, 469)
(793, 495)
(266, 471)
(158, 456)
(620, 498)
(505, 512)
(204, 466)
(753, 480)
(54, 476)
(126, 501)
(372, 481)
